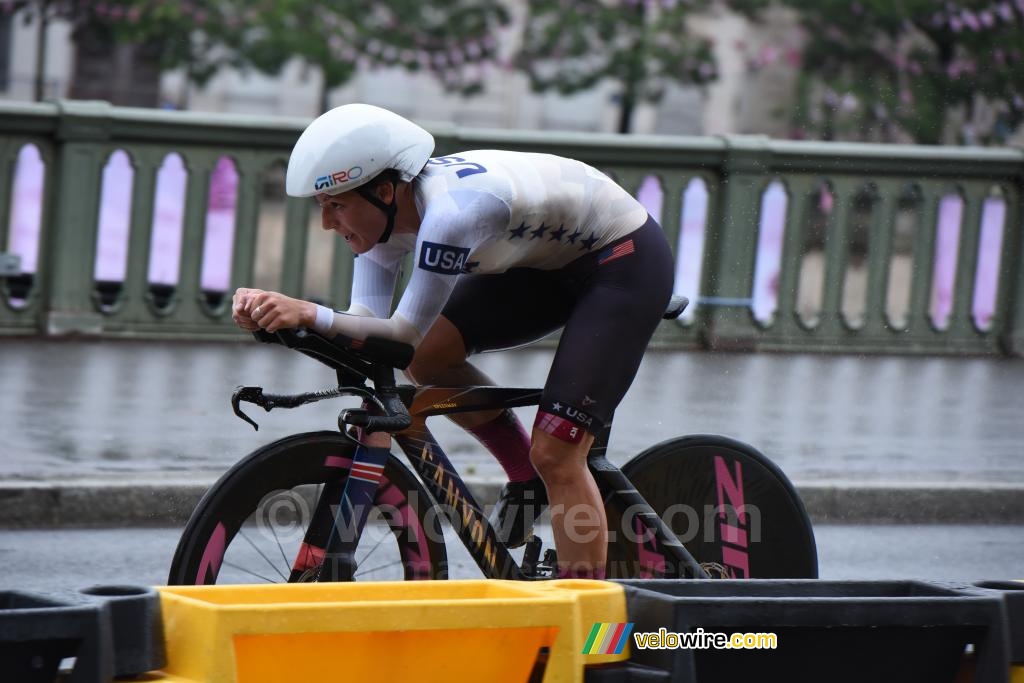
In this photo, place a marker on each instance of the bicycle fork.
(330, 544)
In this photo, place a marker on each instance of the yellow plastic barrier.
(421, 630)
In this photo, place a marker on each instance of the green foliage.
(571, 45)
(448, 39)
(883, 65)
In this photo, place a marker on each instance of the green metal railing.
(75, 140)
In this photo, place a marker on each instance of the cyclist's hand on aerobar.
(274, 311)
(240, 308)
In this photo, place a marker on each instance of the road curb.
(51, 505)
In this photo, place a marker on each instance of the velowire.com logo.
(607, 639)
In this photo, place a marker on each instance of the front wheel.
(732, 507)
(251, 525)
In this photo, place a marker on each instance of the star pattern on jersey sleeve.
(571, 239)
(556, 235)
(539, 232)
(518, 232)
(588, 243)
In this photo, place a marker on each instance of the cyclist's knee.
(558, 461)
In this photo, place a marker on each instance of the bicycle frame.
(662, 550)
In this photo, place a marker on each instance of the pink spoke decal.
(213, 555)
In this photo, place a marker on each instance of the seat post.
(600, 445)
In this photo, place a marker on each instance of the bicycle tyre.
(701, 473)
(308, 459)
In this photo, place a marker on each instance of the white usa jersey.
(483, 212)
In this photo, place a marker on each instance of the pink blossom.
(1020, 6)
(1006, 12)
(956, 25)
(825, 201)
(970, 20)
(906, 97)
(987, 19)
(915, 68)
(793, 57)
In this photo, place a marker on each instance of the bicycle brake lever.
(250, 395)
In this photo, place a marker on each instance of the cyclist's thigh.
(609, 328)
(510, 309)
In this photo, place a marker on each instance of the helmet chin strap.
(389, 209)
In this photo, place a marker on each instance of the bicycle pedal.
(531, 554)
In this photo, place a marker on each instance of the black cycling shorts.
(609, 302)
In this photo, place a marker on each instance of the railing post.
(1013, 251)
(82, 133)
(731, 249)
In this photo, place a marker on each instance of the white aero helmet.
(348, 146)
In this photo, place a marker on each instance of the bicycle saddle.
(675, 308)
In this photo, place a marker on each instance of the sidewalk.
(132, 431)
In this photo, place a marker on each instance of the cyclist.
(508, 247)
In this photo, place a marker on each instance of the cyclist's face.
(358, 221)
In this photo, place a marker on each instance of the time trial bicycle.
(323, 506)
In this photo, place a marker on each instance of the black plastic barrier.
(108, 630)
(836, 631)
(138, 636)
(1012, 593)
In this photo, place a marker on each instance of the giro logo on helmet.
(337, 178)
